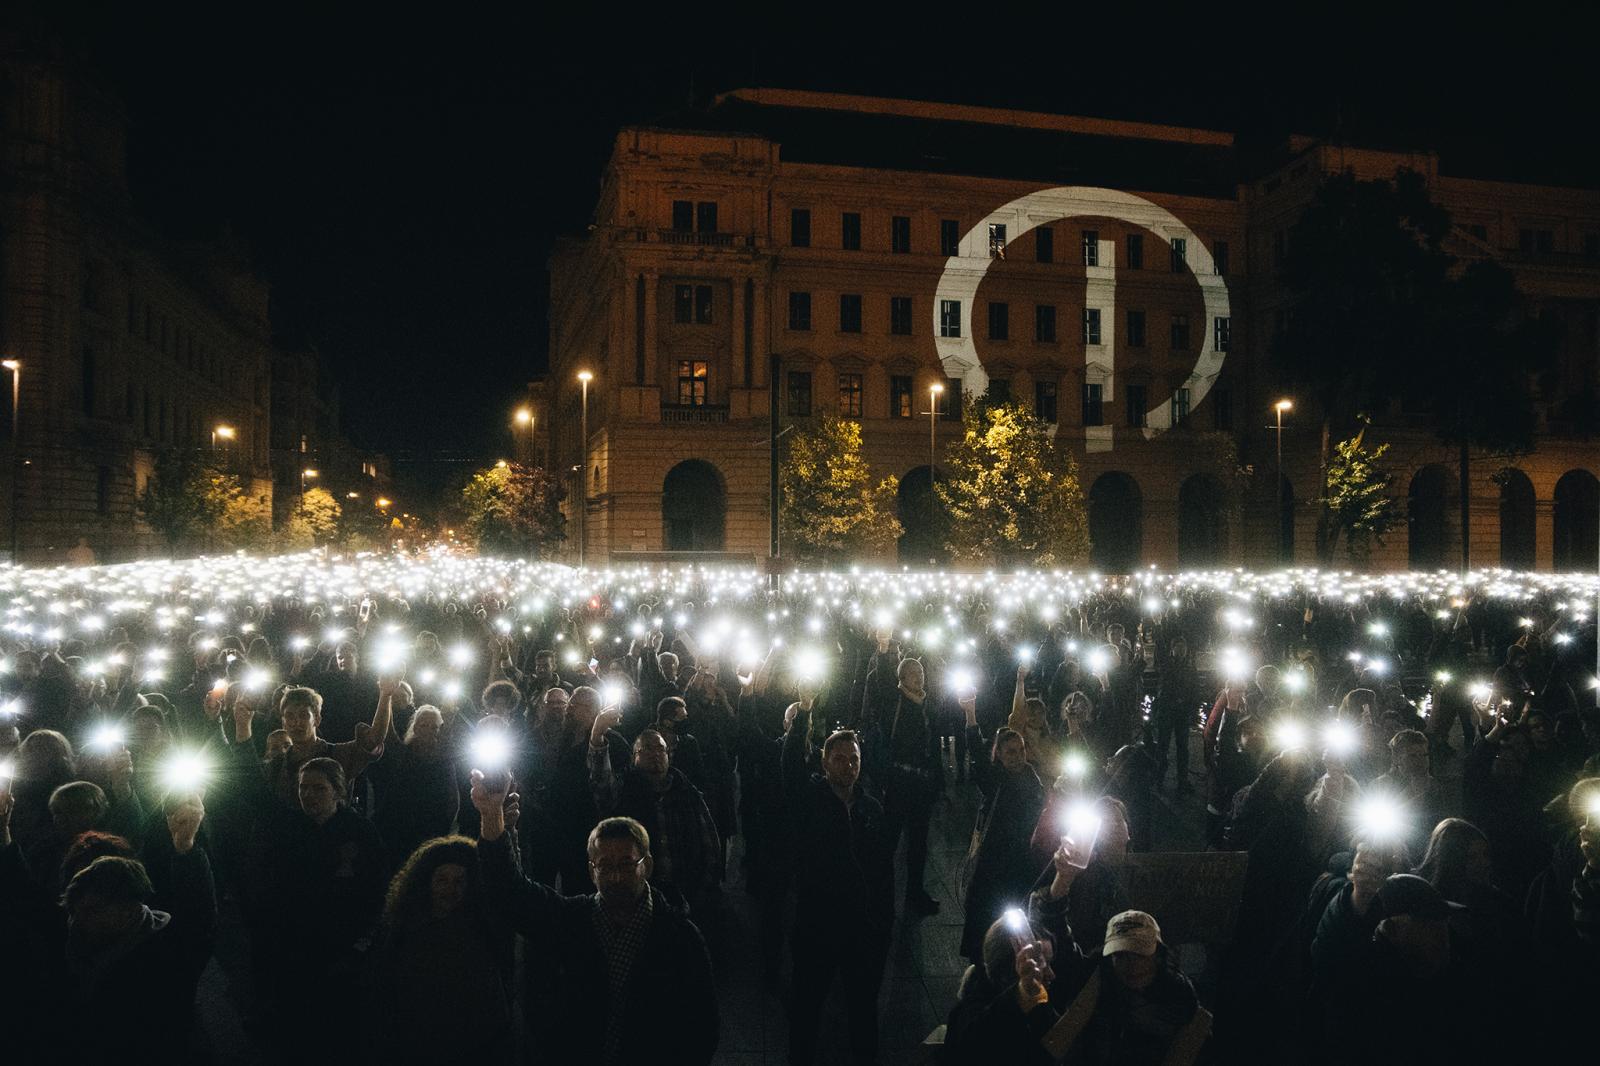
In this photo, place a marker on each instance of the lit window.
(691, 383)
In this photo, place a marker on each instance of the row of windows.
(1043, 242)
(172, 340)
(1044, 321)
(1046, 400)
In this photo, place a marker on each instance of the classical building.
(854, 253)
(125, 343)
(309, 450)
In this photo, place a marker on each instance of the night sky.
(401, 182)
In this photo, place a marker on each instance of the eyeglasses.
(617, 869)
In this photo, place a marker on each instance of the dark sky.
(400, 182)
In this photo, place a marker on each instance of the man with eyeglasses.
(633, 981)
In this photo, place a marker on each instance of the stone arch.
(1427, 541)
(1577, 521)
(1518, 545)
(1202, 522)
(694, 508)
(1116, 523)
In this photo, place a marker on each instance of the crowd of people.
(450, 807)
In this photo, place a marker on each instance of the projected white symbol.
(965, 271)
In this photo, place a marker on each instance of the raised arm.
(602, 779)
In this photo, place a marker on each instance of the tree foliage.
(183, 500)
(833, 510)
(315, 520)
(513, 507)
(1012, 491)
(1356, 496)
(245, 521)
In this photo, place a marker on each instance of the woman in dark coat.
(1002, 866)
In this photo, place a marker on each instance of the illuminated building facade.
(1118, 278)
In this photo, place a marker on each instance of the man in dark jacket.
(844, 885)
(635, 982)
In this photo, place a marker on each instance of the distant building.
(1116, 277)
(308, 448)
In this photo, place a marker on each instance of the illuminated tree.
(315, 520)
(513, 507)
(1012, 491)
(182, 500)
(1356, 498)
(245, 521)
(833, 510)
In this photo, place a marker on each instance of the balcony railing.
(688, 237)
(693, 412)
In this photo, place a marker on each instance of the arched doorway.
(923, 522)
(1202, 522)
(694, 508)
(1517, 546)
(1285, 520)
(1577, 520)
(1425, 523)
(1116, 523)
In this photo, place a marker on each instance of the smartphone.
(1082, 825)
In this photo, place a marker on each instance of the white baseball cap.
(1133, 931)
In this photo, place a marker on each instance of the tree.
(183, 500)
(315, 520)
(1013, 492)
(832, 509)
(513, 507)
(1356, 498)
(245, 521)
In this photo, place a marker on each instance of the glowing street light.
(383, 502)
(15, 366)
(935, 390)
(222, 431)
(1278, 409)
(584, 377)
(308, 474)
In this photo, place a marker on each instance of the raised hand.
(119, 767)
(607, 719)
(493, 799)
(1034, 974)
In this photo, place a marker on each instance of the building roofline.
(989, 116)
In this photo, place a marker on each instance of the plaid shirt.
(622, 944)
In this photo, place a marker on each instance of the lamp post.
(525, 417)
(934, 392)
(1278, 408)
(584, 377)
(221, 432)
(307, 473)
(15, 366)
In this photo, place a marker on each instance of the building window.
(1180, 406)
(900, 396)
(1219, 331)
(1591, 245)
(702, 304)
(1092, 414)
(102, 490)
(1091, 325)
(850, 231)
(949, 237)
(1221, 409)
(683, 215)
(949, 318)
(900, 234)
(1044, 323)
(800, 393)
(850, 395)
(999, 390)
(1180, 333)
(1044, 244)
(305, 444)
(850, 312)
(1479, 231)
(1044, 401)
(1180, 255)
(800, 311)
(691, 382)
(949, 401)
(706, 216)
(999, 320)
(900, 316)
(800, 227)
(1135, 329)
(1091, 248)
(1134, 396)
(1135, 251)
(683, 304)
(1542, 241)
(997, 240)
(1219, 256)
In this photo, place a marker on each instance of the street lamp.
(1278, 408)
(308, 472)
(525, 417)
(934, 392)
(383, 502)
(221, 432)
(584, 377)
(15, 366)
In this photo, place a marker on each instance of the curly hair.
(409, 899)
